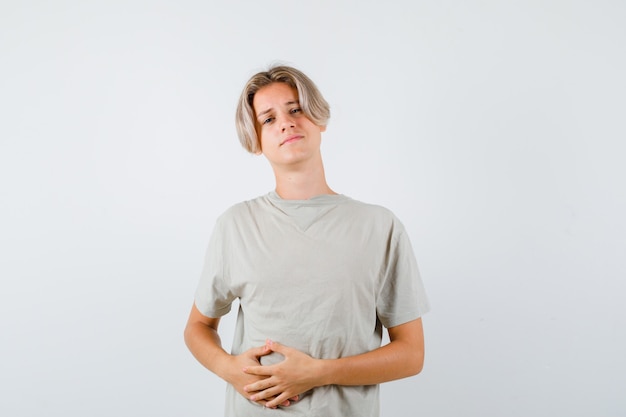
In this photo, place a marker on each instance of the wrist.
(224, 366)
(324, 371)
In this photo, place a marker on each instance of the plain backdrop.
(495, 130)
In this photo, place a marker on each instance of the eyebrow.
(289, 103)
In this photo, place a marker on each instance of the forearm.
(393, 361)
(206, 346)
(402, 357)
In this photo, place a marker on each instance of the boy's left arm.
(403, 356)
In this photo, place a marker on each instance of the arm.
(403, 356)
(204, 343)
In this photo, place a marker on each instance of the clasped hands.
(279, 384)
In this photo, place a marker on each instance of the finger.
(258, 386)
(259, 351)
(278, 400)
(277, 347)
(264, 403)
(258, 370)
(285, 403)
(272, 401)
(270, 394)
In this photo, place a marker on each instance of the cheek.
(259, 136)
(259, 147)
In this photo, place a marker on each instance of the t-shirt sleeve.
(213, 296)
(402, 296)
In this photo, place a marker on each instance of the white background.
(494, 130)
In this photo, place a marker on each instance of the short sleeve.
(214, 297)
(401, 296)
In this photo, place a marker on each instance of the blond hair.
(312, 103)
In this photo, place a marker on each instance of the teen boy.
(318, 275)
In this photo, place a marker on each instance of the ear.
(322, 128)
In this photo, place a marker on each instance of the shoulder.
(371, 209)
(243, 210)
(374, 215)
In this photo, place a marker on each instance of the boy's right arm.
(204, 342)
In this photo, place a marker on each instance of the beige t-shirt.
(319, 275)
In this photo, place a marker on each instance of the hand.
(239, 379)
(285, 380)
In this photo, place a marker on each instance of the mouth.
(291, 139)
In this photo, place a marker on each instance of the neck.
(301, 183)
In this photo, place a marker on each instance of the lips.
(291, 139)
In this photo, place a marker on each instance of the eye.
(296, 110)
(268, 120)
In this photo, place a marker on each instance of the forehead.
(273, 95)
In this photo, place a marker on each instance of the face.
(286, 135)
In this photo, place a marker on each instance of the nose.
(287, 122)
